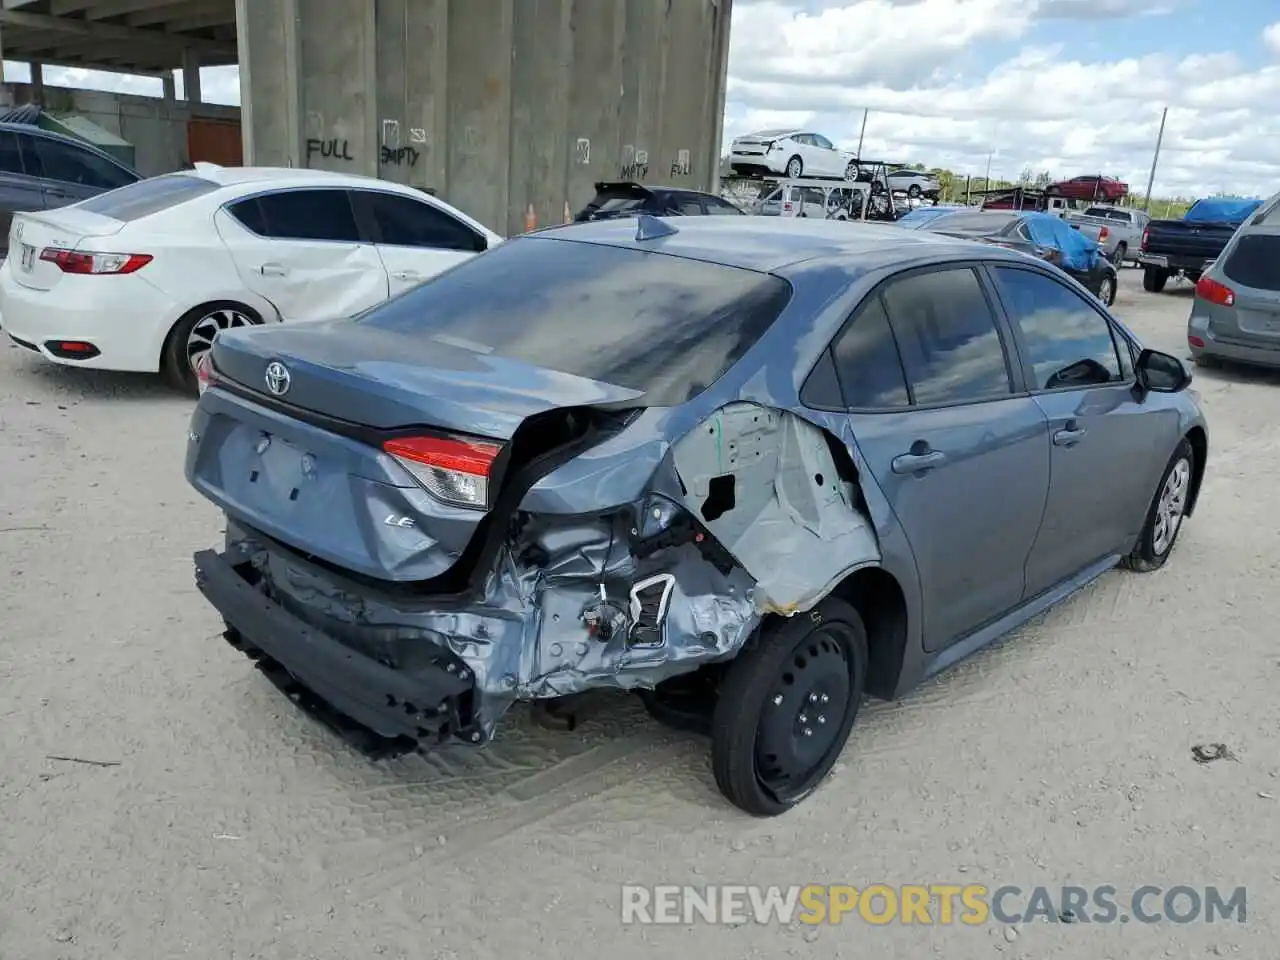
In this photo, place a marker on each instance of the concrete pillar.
(191, 75)
(170, 87)
(494, 104)
(37, 82)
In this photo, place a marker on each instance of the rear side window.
(1255, 261)
(1069, 344)
(867, 362)
(300, 215)
(688, 206)
(146, 197)
(10, 156)
(947, 336)
(70, 164)
(663, 325)
(402, 222)
(717, 207)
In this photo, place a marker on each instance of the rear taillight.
(1211, 290)
(205, 377)
(1143, 245)
(451, 469)
(75, 261)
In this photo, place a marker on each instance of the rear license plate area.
(1260, 322)
(279, 471)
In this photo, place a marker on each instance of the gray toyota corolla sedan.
(752, 468)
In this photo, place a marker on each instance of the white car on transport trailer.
(142, 278)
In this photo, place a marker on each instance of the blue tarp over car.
(1077, 251)
(922, 215)
(1233, 210)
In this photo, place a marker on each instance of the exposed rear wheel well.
(875, 594)
(1200, 447)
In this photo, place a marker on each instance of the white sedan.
(142, 278)
(792, 153)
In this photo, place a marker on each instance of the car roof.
(649, 188)
(769, 244)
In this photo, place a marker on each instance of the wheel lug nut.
(821, 718)
(825, 698)
(813, 698)
(803, 718)
(808, 732)
(777, 701)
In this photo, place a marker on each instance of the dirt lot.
(233, 826)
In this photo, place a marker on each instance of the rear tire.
(1154, 279)
(1121, 251)
(795, 167)
(193, 328)
(786, 707)
(1166, 513)
(1107, 290)
(913, 191)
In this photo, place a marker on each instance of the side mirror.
(482, 243)
(1161, 372)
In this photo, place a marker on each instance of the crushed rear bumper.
(432, 703)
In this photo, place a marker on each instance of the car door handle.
(407, 275)
(918, 462)
(1068, 436)
(272, 270)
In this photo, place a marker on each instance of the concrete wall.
(156, 128)
(494, 104)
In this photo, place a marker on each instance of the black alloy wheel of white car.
(192, 337)
(786, 706)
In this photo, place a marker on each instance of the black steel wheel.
(786, 707)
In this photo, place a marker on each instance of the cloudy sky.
(1070, 86)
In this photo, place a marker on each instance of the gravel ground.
(234, 826)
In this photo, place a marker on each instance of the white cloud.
(1271, 38)
(821, 62)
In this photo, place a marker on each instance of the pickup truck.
(1117, 230)
(1189, 245)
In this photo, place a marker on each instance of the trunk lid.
(386, 380)
(1178, 238)
(65, 228)
(324, 486)
(1252, 271)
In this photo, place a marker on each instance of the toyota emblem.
(278, 378)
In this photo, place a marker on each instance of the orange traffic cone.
(530, 219)
(568, 216)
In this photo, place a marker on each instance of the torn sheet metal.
(765, 484)
(531, 635)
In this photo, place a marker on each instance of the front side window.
(1069, 344)
(867, 362)
(300, 215)
(402, 222)
(947, 336)
(10, 156)
(665, 326)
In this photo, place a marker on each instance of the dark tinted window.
(10, 157)
(146, 197)
(403, 222)
(718, 207)
(947, 337)
(1255, 262)
(1068, 343)
(30, 159)
(687, 206)
(867, 361)
(70, 164)
(659, 324)
(300, 215)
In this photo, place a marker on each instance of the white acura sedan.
(142, 278)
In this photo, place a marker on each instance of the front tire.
(786, 706)
(795, 167)
(1166, 513)
(193, 336)
(1121, 251)
(913, 191)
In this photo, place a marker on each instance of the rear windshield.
(663, 325)
(1255, 262)
(977, 224)
(146, 197)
